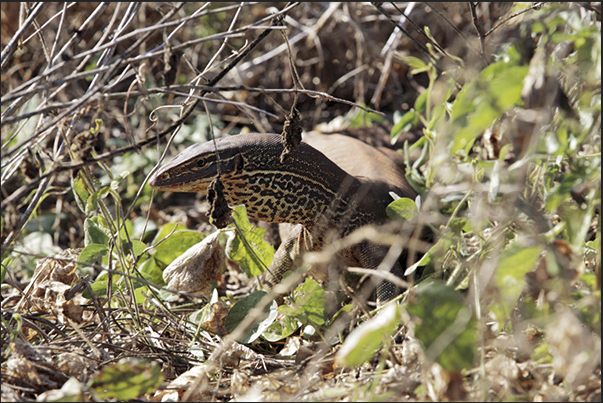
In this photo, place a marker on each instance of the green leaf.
(126, 230)
(402, 209)
(206, 313)
(561, 192)
(124, 174)
(365, 341)
(242, 309)
(92, 202)
(80, 193)
(2, 273)
(406, 122)
(507, 85)
(344, 310)
(417, 65)
(101, 285)
(98, 124)
(309, 304)
(239, 213)
(496, 90)
(445, 326)
(435, 253)
(477, 123)
(247, 246)
(437, 114)
(138, 247)
(175, 245)
(361, 118)
(515, 262)
(92, 252)
(167, 229)
(95, 233)
(578, 222)
(421, 102)
(127, 380)
(281, 329)
(151, 272)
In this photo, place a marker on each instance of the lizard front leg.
(287, 256)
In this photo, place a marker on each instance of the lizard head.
(193, 169)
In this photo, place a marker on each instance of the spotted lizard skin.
(330, 184)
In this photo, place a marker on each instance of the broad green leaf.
(444, 325)
(402, 209)
(463, 105)
(128, 227)
(151, 272)
(138, 247)
(365, 341)
(140, 289)
(479, 121)
(239, 213)
(250, 251)
(515, 262)
(134, 245)
(101, 285)
(281, 329)
(247, 246)
(95, 233)
(309, 304)
(507, 85)
(175, 245)
(496, 90)
(241, 310)
(503, 152)
(167, 229)
(92, 252)
(126, 380)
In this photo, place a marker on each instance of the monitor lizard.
(328, 183)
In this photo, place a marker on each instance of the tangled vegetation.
(494, 108)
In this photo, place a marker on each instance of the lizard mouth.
(175, 180)
(159, 181)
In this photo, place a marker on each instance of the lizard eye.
(200, 163)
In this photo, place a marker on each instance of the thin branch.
(534, 6)
(10, 48)
(478, 28)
